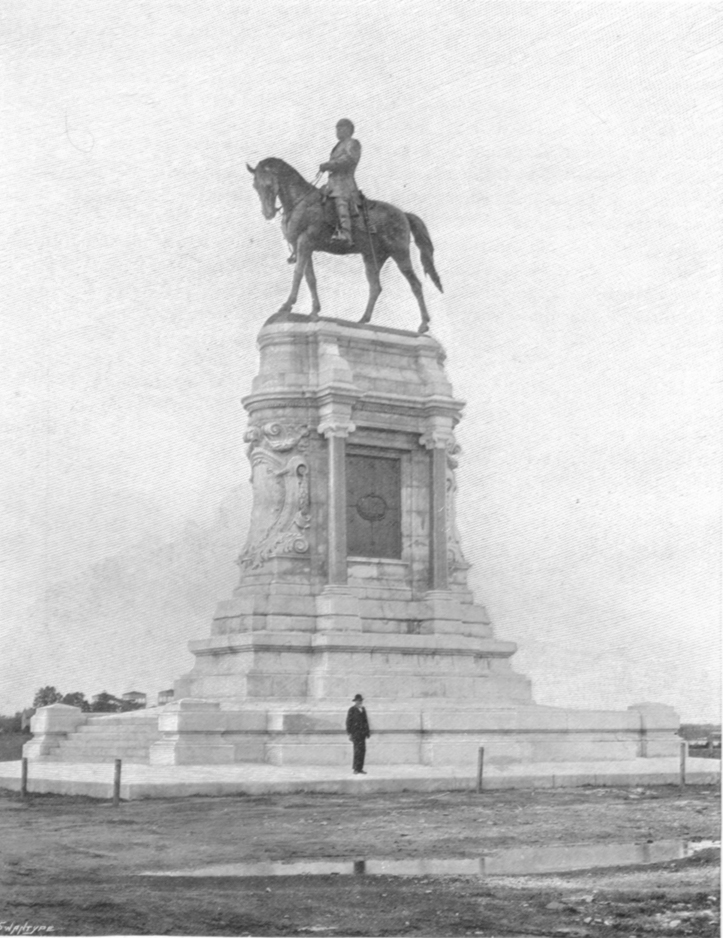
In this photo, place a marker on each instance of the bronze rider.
(341, 185)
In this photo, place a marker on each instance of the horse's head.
(266, 183)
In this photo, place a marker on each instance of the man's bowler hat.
(358, 697)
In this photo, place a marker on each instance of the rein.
(300, 199)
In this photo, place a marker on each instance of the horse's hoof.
(423, 328)
(314, 315)
(283, 309)
(365, 319)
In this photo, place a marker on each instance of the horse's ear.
(252, 171)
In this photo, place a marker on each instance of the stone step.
(79, 755)
(89, 742)
(111, 752)
(103, 746)
(95, 738)
(118, 727)
(116, 732)
(97, 759)
(102, 739)
(96, 742)
(134, 716)
(100, 727)
(106, 722)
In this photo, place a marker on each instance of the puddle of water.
(513, 862)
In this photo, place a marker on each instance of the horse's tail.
(426, 248)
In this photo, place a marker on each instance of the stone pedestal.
(353, 580)
(352, 577)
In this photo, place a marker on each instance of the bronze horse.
(380, 231)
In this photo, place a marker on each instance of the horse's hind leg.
(310, 275)
(372, 267)
(404, 263)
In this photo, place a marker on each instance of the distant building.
(164, 697)
(134, 697)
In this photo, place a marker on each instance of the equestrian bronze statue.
(309, 223)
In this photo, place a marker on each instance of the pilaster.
(337, 607)
(336, 426)
(438, 439)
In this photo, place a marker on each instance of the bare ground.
(72, 864)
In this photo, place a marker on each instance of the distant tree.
(10, 724)
(105, 703)
(47, 696)
(77, 699)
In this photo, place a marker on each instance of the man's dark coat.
(357, 724)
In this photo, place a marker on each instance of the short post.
(116, 783)
(24, 778)
(480, 767)
(683, 754)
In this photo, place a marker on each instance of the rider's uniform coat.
(344, 158)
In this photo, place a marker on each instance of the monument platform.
(353, 580)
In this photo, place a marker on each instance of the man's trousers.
(360, 750)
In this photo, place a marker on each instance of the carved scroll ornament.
(280, 516)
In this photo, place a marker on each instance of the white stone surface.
(143, 781)
(51, 726)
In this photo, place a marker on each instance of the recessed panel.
(373, 506)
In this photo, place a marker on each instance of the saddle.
(360, 209)
(356, 206)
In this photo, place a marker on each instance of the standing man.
(342, 185)
(357, 728)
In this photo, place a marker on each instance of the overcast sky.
(566, 160)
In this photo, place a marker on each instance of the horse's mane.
(282, 170)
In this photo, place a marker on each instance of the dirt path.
(72, 864)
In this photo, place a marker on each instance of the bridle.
(280, 206)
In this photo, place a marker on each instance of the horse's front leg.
(311, 281)
(302, 259)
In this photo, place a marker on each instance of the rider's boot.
(344, 233)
